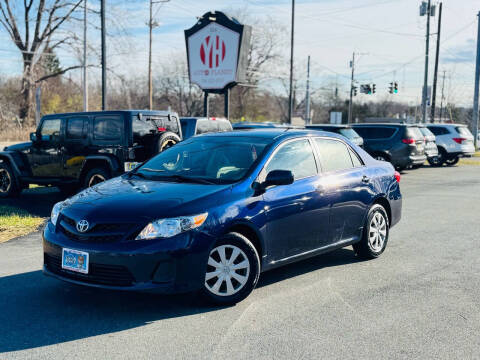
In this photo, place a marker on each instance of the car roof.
(133, 112)
(192, 118)
(445, 124)
(382, 124)
(334, 126)
(275, 133)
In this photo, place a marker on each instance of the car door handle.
(365, 179)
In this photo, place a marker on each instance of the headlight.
(56, 211)
(165, 228)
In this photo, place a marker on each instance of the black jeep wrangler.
(78, 150)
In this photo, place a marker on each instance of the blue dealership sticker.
(75, 260)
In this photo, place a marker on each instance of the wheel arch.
(251, 233)
(381, 200)
(92, 162)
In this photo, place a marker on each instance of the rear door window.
(108, 128)
(76, 128)
(375, 133)
(203, 126)
(438, 130)
(334, 155)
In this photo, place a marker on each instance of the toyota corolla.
(213, 212)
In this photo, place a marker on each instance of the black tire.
(165, 141)
(8, 182)
(95, 176)
(438, 160)
(364, 248)
(452, 161)
(231, 241)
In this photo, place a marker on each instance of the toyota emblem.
(82, 226)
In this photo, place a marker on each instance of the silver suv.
(453, 141)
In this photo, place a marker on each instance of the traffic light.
(390, 88)
(369, 89)
(395, 87)
(354, 88)
(373, 88)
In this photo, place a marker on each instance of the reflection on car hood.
(123, 199)
(18, 147)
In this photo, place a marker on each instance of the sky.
(388, 37)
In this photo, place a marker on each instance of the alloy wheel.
(5, 181)
(378, 232)
(228, 270)
(96, 179)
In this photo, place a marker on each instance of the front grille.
(90, 238)
(100, 274)
(99, 233)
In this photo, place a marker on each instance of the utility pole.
(443, 96)
(104, 56)
(477, 84)
(437, 55)
(85, 80)
(425, 80)
(290, 96)
(151, 25)
(350, 103)
(307, 97)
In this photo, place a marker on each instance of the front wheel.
(8, 186)
(232, 270)
(375, 234)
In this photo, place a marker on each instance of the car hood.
(133, 200)
(18, 147)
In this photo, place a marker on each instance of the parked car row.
(78, 150)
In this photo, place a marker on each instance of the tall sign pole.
(435, 71)
(350, 103)
(307, 97)
(104, 57)
(85, 79)
(290, 94)
(425, 79)
(477, 84)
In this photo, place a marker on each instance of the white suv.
(453, 141)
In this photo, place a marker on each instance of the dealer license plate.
(129, 166)
(75, 260)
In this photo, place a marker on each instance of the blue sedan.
(213, 212)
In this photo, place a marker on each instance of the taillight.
(408, 141)
(161, 129)
(459, 140)
(397, 176)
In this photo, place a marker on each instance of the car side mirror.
(33, 137)
(278, 177)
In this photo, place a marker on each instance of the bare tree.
(41, 20)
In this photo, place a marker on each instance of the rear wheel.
(232, 270)
(95, 176)
(452, 161)
(438, 160)
(8, 185)
(375, 234)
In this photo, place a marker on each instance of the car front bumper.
(173, 265)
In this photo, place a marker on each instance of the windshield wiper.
(181, 178)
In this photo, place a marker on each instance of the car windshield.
(426, 132)
(205, 159)
(349, 133)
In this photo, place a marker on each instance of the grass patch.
(16, 222)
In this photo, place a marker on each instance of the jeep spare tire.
(165, 141)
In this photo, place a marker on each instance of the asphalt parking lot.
(420, 300)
